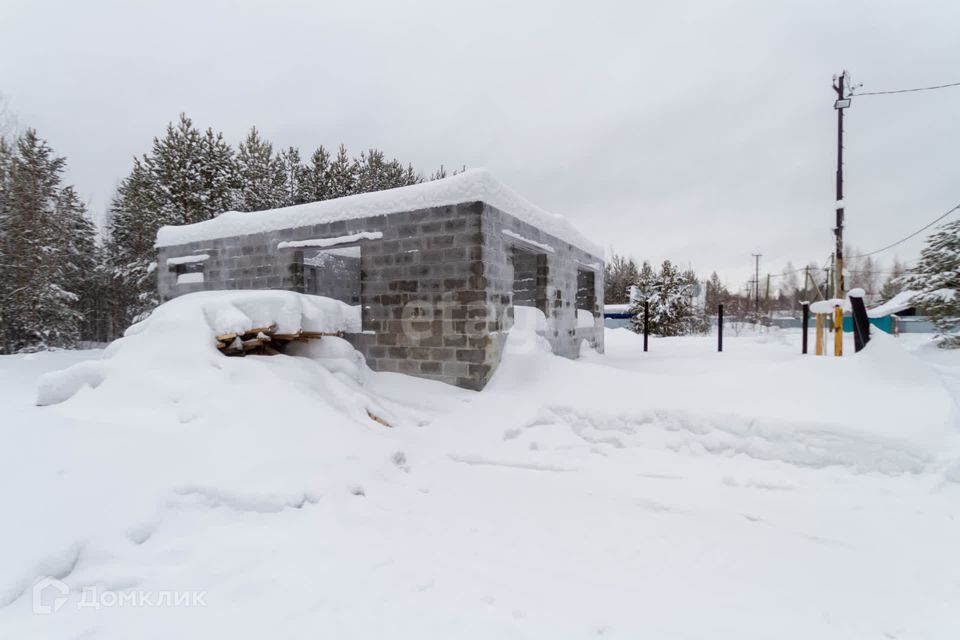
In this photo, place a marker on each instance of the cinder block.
(454, 255)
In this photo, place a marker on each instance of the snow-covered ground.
(680, 493)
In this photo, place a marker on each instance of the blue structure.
(617, 316)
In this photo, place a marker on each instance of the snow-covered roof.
(469, 186)
(900, 302)
(616, 308)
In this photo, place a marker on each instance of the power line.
(883, 93)
(902, 240)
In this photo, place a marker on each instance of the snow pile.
(527, 333)
(774, 494)
(180, 337)
(827, 306)
(164, 427)
(585, 319)
(882, 410)
(330, 242)
(200, 257)
(470, 186)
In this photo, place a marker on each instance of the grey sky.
(702, 132)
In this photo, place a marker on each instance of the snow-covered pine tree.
(316, 176)
(294, 177)
(79, 247)
(411, 176)
(47, 249)
(6, 259)
(261, 175)
(667, 304)
(395, 174)
(645, 280)
(133, 219)
(672, 312)
(177, 176)
(220, 178)
(372, 172)
(936, 278)
(188, 177)
(342, 177)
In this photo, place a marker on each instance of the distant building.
(616, 316)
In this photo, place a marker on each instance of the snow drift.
(178, 339)
(772, 493)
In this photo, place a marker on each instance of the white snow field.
(681, 493)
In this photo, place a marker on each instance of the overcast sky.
(697, 131)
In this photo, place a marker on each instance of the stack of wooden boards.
(264, 340)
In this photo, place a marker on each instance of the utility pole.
(842, 103)
(766, 297)
(756, 281)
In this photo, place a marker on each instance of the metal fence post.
(720, 328)
(806, 321)
(646, 322)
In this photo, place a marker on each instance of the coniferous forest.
(64, 282)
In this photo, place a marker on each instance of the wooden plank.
(228, 337)
(253, 343)
(378, 419)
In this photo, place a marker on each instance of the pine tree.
(894, 282)
(176, 170)
(316, 177)
(644, 283)
(294, 177)
(716, 293)
(619, 273)
(8, 122)
(79, 246)
(342, 177)
(936, 278)
(6, 242)
(219, 173)
(188, 177)
(672, 312)
(261, 175)
(372, 172)
(47, 248)
(411, 176)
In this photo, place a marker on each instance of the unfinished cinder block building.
(435, 269)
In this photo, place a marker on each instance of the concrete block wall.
(558, 266)
(436, 290)
(417, 283)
